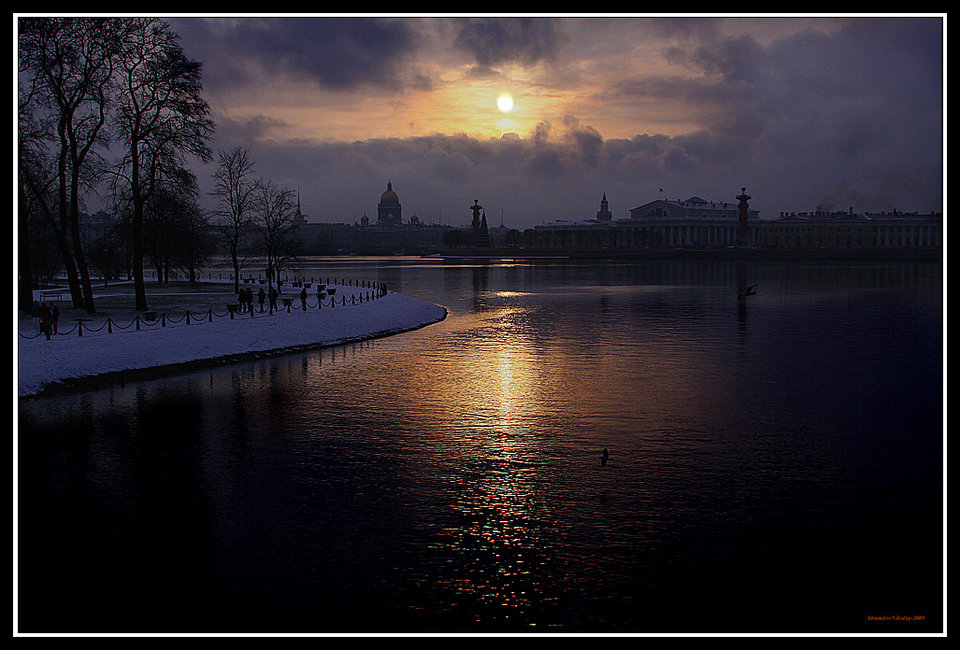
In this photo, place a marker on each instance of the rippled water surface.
(771, 468)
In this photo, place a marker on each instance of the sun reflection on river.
(493, 542)
(448, 480)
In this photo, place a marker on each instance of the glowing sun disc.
(505, 102)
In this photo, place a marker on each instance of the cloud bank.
(806, 114)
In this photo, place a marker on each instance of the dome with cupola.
(389, 197)
(389, 209)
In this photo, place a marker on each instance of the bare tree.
(176, 230)
(199, 242)
(275, 210)
(36, 200)
(234, 188)
(288, 251)
(38, 249)
(163, 117)
(66, 67)
(168, 218)
(106, 254)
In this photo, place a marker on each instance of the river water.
(775, 465)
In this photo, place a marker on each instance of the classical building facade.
(690, 223)
(698, 223)
(850, 230)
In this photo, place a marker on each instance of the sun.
(505, 102)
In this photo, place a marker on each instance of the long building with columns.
(849, 230)
(701, 224)
(663, 223)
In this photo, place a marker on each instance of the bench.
(47, 295)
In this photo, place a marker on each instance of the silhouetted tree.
(39, 256)
(66, 67)
(234, 189)
(175, 233)
(162, 118)
(274, 207)
(106, 254)
(201, 242)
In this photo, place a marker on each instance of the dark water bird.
(604, 458)
(749, 291)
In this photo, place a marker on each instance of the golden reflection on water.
(500, 421)
(508, 391)
(471, 482)
(493, 391)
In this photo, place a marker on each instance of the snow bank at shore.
(63, 360)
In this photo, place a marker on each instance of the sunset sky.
(537, 117)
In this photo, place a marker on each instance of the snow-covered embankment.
(65, 360)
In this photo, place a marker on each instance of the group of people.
(45, 317)
(245, 299)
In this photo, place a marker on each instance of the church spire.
(604, 213)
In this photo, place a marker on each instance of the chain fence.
(325, 297)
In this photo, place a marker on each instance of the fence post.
(163, 320)
(138, 322)
(109, 326)
(210, 315)
(188, 317)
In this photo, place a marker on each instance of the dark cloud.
(682, 26)
(558, 172)
(857, 113)
(852, 113)
(248, 131)
(338, 53)
(845, 117)
(495, 41)
(735, 59)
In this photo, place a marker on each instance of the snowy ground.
(69, 356)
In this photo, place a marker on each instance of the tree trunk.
(86, 287)
(236, 270)
(66, 255)
(136, 234)
(25, 270)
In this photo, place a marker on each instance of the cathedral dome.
(389, 197)
(388, 212)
